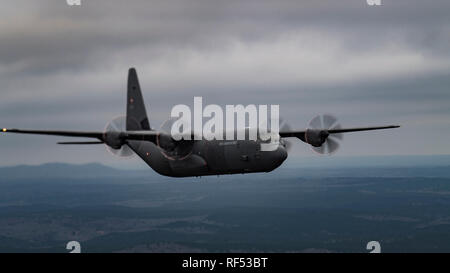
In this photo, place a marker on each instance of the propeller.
(284, 126)
(112, 137)
(318, 128)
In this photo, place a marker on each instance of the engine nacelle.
(113, 139)
(316, 137)
(166, 142)
(172, 149)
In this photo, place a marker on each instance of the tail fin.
(136, 114)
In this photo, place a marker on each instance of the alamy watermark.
(74, 247)
(73, 2)
(374, 247)
(373, 2)
(249, 122)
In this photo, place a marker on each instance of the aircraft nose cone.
(282, 154)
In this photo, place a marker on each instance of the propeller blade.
(284, 126)
(112, 126)
(125, 151)
(315, 123)
(288, 145)
(339, 136)
(320, 150)
(332, 145)
(328, 121)
(118, 124)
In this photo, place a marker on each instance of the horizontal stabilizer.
(81, 143)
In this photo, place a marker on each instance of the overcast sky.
(65, 67)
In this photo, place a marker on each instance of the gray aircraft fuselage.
(211, 157)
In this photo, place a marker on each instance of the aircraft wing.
(152, 135)
(87, 134)
(132, 135)
(301, 134)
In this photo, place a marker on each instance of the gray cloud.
(65, 67)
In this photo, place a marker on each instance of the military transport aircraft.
(184, 158)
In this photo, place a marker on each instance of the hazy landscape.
(404, 206)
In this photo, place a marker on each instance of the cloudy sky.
(65, 67)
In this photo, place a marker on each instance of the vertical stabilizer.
(136, 114)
